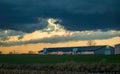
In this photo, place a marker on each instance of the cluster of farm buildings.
(104, 50)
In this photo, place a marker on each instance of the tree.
(11, 52)
(91, 43)
(0, 52)
(31, 52)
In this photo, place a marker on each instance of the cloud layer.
(76, 15)
(55, 21)
(53, 33)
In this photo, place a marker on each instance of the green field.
(53, 59)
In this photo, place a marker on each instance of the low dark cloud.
(23, 15)
(61, 39)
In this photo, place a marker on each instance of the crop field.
(54, 59)
(59, 64)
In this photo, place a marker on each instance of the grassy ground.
(53, 59)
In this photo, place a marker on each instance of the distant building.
(106, 50)
(117, 49)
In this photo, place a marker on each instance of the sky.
(31, 25)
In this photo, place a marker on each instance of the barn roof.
(83, 48)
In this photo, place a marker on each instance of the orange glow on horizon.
(40, 46)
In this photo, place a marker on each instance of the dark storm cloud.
(75, 14)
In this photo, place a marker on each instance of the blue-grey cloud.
(5, 34)
(77, 36)
(75, 14)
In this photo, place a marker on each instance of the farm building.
(117, 49)
(107, 50)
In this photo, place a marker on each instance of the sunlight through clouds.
(54, 33)
(26, 26)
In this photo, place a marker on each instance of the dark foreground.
(54, 59)
(61, 68)
(51, 72)
(59, 64)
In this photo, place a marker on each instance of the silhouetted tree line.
(71, 67)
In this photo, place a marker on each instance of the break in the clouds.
(76, 15)
(53, 33)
